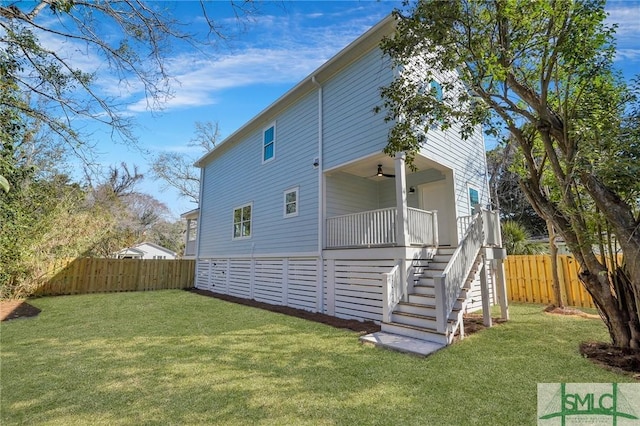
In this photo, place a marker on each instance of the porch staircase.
(412, 326)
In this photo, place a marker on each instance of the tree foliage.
(506, 194)
(55, 50)
(542, 72)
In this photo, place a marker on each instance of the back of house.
(301, 207)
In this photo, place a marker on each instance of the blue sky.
(263, 58)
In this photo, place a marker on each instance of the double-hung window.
(269, 143)
(474, 198)
(291, 202)
(242, 221)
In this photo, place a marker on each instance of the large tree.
(541, 71)
(74, 60)
(177, 170)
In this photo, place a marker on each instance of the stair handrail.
(393, 290)
(450, 282)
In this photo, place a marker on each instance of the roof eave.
(346, 56)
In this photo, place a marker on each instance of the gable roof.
(139, 248)
(345, 57)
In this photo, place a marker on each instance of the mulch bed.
(362, 327)
(472, 322)
(620, 360)
(14, 309)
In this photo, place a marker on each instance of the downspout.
(199, 231)
(199, 228)
(321, 220)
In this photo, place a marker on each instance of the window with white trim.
(436, 89)
(474, 198)
(269, 143)
(291, 202)
(242, 221)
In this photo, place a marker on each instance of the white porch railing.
(463, 225)
(393, 290)
(423, 227)
(370, 228)
(379, 227)
(454, 276)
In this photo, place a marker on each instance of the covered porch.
(378, 202)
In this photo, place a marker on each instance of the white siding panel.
(358, 288)
(466, 158)
(237, 176)
(240, 278)
(352, 129)
(202, 274)
(268, 281)
(350, 194)
(219, 276)
(302, 280)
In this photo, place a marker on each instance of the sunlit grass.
(173, 357)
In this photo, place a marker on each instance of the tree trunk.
(553, 251)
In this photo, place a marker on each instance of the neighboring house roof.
(191, 214)
(139, 249)
(345, 57)
(130, 250)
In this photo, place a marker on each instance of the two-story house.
(300, 207)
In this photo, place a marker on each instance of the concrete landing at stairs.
(401, 343)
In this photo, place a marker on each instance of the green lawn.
(172, 357)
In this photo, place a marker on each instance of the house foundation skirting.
(345, 288)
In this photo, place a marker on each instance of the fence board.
(529, 280)
(93, 275)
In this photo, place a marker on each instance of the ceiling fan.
(380, 173)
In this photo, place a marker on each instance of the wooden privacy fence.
(95, 275)
(529, 280)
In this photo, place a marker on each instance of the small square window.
(269, 144)
(242, 222)
(291, 202)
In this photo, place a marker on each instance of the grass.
(173, 357)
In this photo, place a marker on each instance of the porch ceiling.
(368, 167)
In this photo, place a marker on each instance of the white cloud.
(628, 55)
(277, 59)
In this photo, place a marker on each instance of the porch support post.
(484, 294)
(402, 222)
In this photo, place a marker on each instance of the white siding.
(237, 176)
(277, 281)
(466, 158)
(347, 194)
(353, 288)
(352, 129)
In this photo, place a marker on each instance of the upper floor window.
(474, 198)
(269, 143)
(436, 89)
(242, 221)
(291, 202)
